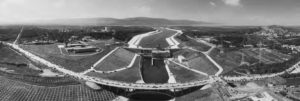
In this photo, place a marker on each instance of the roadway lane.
(154, 40)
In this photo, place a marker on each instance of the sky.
(232, 12)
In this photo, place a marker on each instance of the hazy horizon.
(229, 12)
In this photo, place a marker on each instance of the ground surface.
(131, 74)
(74, 63)
(200, 95)
(15, 63)
(184, 75)
(118, 59)
(201, 63)
(230, 60)
(11, 90)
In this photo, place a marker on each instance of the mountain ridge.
(135, 21)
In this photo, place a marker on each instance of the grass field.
(198, 61)
(118, 59)
(197, 45)
(157, 39)
(130, 75)
(292, 81)
(183, 75)
(10, 56)
(14, 62)
(201, 63)
(228, 61)
(187, 53)
(40, 81)
(11, 90)
(74, 63)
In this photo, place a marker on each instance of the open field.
(11, 90)
(153, 41)
(292, 81)
(128, 75)
(118, 59)
(183, 75)
(77, 63)
(13, 62)
(228, 60)
(201, 63)
(9, 55)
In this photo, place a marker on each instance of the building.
(82, 49)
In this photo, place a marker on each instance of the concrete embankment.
(134, 42)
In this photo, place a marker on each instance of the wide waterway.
(159, 39)
(153, 70)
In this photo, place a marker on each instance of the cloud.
(143, 10)
(59, 4)
(212, 4)
(232, 2)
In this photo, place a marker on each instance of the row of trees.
(32, 33)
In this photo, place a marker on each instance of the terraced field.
(11, 90)
(74, 63)
(157, 39)
(128, 75)
(118, 59)
(184, 75)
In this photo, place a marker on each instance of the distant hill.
(141, 21)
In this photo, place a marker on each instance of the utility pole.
(260, 44)
(222, 45)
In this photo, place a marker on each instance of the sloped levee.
(118, 59)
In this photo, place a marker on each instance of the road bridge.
(141, 86)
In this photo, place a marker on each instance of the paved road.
(154, 40)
